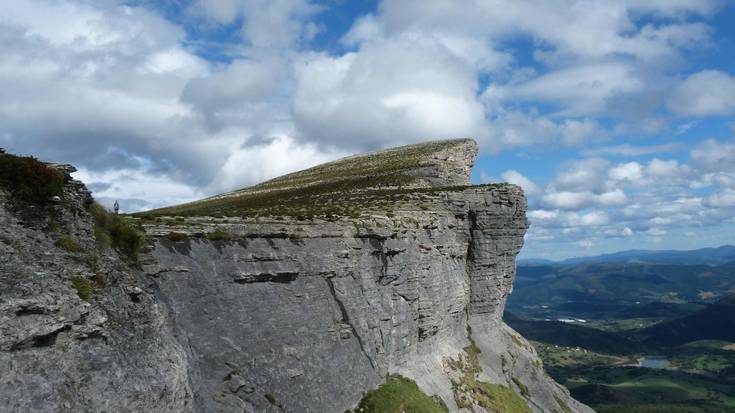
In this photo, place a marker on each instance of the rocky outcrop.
(384, 263)
(62, 353)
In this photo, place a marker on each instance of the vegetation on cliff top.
(347, 187)
(115, 231)
(29, 179)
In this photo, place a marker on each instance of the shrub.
(177, 236)
(28, 179)
(116, 231)
(67, 242)
(83, 286)
(398, 395)
(219, 235)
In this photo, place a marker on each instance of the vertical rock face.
(62, 353)
(302, 293)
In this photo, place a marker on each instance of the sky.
(617, 117)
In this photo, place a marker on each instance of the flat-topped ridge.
(343, 186)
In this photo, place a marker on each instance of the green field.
(599, 360)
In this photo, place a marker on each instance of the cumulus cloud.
(580, 200)
(579, 90)
(517, 178)
(582, 175)
(265, 23)
(388, 93)
(633, 150)
(706, 93)
(713, 155)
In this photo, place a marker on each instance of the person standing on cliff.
(116, 207)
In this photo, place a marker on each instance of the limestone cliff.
(299, 294)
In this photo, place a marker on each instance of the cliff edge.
(301, 294)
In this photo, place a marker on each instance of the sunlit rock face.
(302, 293)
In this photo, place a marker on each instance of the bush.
(83, 286)
(219, 235)
(177, 236)
(30, 180)
(114, 230)
(67, 242)
(398, 395)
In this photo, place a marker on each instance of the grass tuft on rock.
(469, 391)
(400, 395)
(115, 231)
(272, 399)
(68, 243)
(83, 286)
(29, 179)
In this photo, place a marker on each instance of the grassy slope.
(400, 395)
(380, 180)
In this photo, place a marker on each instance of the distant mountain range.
(706, 256)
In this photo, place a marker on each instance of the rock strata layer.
(388, 263)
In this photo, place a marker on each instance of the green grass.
(470, 391)
(704, 362)
(30, 180)
(83, 286)
(400, 395)
(521, 386)
(382, 181)
(68, 243)
(500, 398)
(116, 231)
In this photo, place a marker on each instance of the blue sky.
(616, 116)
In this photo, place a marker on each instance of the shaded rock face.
(278, 313)
(60, 353)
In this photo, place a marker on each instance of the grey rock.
(309, 314)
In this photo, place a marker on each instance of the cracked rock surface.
(60, 353)
(276, 313)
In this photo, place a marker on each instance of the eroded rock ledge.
(302, 293)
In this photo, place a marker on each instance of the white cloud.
(712, 155)
(265, 23)
(706, 93)
(723, 199)
(580, 90)
(631, 172)
(388, 93)
(580, 200)
(576, 132)
(633, 150)
(515, 177)
(275, 157)
(583, 175)
(658, 168)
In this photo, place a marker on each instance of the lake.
(654, 362)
